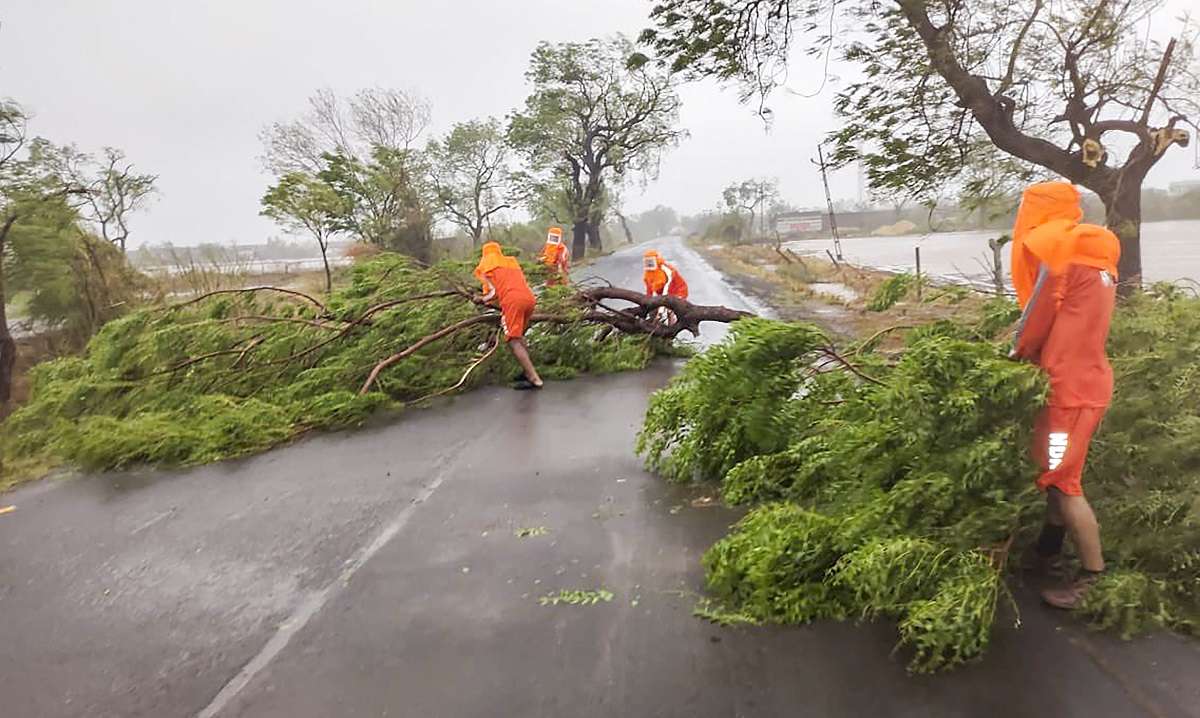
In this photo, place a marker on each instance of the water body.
(1170, 252)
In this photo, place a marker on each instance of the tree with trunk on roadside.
(1027, 88)
(75, 280)
(12, 139)
(591, 122)
(300, 203)
(471, 174)
(751, 196)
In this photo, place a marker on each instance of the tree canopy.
(592, 121)
(471, 174)
(361, 149)
(969, 95)
(300, 202)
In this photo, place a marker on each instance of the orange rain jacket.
(1064, 273)
(554, 252)
(661, 277)
(502, 277)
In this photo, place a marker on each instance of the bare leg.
(1080, 520)
(521, 351)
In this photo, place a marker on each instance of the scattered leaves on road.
(577, 598)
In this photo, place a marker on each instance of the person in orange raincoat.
(660, 277)
(504, 285)
(1064, 273)
(556, 257)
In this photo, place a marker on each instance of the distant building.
(1184, 187)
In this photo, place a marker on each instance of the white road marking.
(313, 604)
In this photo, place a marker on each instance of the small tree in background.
(751, 196)
(470, 172)
(300, 203)
(592, 121)
(1024, 87)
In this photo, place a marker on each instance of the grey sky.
(184, 88)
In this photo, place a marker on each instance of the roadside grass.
(807, 288)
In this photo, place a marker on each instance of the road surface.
(379, 573)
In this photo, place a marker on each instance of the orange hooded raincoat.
(1064, 273)
(555, 256)
(660, 277)
(504, 283)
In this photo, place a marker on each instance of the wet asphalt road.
(379, 573)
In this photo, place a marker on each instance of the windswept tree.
(300, 203)
(12, 139)
(751, 196)
(471, 174)
(105, 191)
(593, 121)
(353, 127)
(969, 94)
(363, 149)
(75, 280)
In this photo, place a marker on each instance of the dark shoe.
(1070, 596)
(524, 384)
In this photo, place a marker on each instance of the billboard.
(799, 223)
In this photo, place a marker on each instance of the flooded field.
(1170, 252)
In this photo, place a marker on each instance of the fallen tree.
(235, 371)
(897, 485)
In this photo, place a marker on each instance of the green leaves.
(593, 118)
(891, 291)
(905, 499)
(577, 598)
(238, 373)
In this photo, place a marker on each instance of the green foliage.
(577, 161)
(901, 496)
(74, 282)
(531, 531)
(470, 172)
(892, 290)
(299, 202)
(906, 120)
(577, 598)
(233, 374)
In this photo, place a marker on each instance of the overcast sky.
(184, 87)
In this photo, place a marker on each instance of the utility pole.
(837, 241)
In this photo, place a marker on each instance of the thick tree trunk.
(625, 227)
(593, 236)
(579, 240)
(1123, 215)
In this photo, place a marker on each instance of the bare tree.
(372, 118)
(115, 193)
